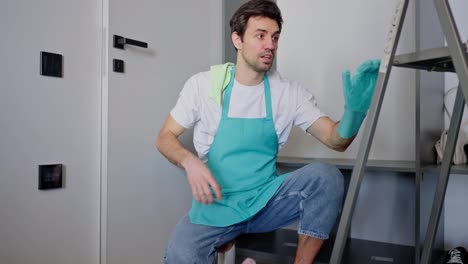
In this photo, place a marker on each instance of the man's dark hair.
(254, 8)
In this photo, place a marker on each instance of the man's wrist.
(186, 161)
(350, 123)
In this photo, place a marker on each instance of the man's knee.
(177, 252)
(184, 246)
(333, 178)
(328, 176)
(183, 252)
(325, 200)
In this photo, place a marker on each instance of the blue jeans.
(313, 194)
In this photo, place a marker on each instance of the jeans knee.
(325, 200)
(330, 178)
(186, 250)
(173, 256)
(180, 253)
(177, 253)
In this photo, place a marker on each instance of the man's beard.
(259, 67)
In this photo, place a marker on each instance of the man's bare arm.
(169, 145)
(198, 174)
(325, 130)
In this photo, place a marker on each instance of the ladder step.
(348, 164)
(436, 59)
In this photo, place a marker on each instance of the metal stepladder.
(431, 60)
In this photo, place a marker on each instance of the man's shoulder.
(203, 76)
(198, 83)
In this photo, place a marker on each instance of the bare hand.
(200, 180)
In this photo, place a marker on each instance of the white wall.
(49, 120)
(320, 40)
(456, 226)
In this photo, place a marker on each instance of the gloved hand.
(358, 93)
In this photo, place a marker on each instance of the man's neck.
(247, 76)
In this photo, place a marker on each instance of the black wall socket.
(50, 176)
(119, 65)
(51, 64)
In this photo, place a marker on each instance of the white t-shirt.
(292, 105)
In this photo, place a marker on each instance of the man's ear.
(236, 40)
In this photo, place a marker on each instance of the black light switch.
(118, 65)
(50, 176)
(51, 64)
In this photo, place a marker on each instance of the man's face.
(258, 47)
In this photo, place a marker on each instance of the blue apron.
(242, 158)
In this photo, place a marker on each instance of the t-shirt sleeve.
(307, 109)
(186, 112)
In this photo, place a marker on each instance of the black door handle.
(120, 41)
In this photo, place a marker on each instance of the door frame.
(104, 131)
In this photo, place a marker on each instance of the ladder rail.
(442, 181)
(369, 130)
(460, 61)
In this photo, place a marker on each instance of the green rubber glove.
(358, 93)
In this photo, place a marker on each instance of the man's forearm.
(169, 145)
(199, 177)
(326, 130)
(338, 143)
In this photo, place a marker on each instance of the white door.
(144, 195)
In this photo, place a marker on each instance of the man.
(242, 114)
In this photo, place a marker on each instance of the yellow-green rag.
(220, 77)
